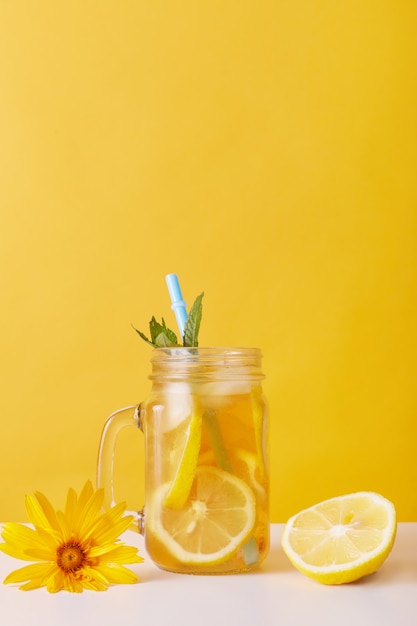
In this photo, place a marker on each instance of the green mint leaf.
(161, 336)
(143, 336)
(163, 341)
(192, 325)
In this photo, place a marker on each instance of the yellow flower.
(74, 549)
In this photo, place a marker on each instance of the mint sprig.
(192, 324)
(161, 335)
(164, 337)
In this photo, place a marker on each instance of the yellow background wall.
(265, 152)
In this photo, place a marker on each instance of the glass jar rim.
(199, 353)
(207, 362)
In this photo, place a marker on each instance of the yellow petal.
(93, 573)
(118, 554)
(32, 584)
(49, 539)
(71, 509)
(111, 525)
(93, 584)
(36, 513)
(65, 528)
(48, 510)
(117, 574)
(73, 584)
(35, 572)
(98, 550)
(56, 582)
(19, 538)
(40, 554)
(18, 533)
(15, 552)
(85, 494)
(90, 513)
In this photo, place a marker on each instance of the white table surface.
(275, 594)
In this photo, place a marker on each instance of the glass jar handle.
(128, 416)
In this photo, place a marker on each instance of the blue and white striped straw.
(178, 305)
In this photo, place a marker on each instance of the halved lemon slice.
(216, 520)
(341, 539)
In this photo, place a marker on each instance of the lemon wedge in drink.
(188, 441)
(342, 539)
(259, 427)
(217, 518)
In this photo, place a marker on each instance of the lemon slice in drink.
(188, 441)
(216, 520)
(342, 539)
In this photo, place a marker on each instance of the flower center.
(70, 556)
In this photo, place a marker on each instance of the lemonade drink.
(206, 467)
(205, 423)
